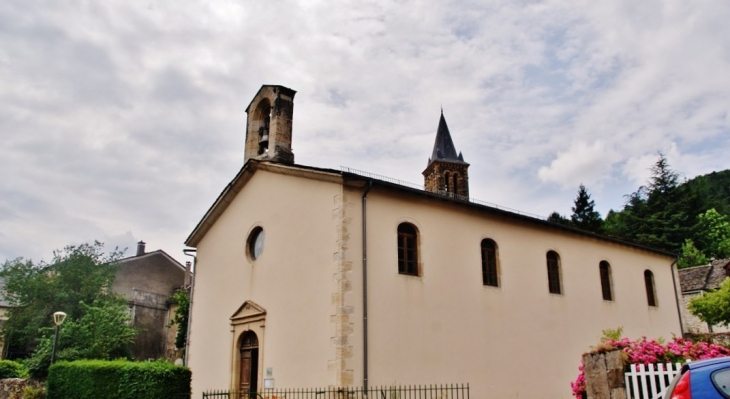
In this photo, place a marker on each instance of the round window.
(255, 243)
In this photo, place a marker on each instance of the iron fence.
(447, 391)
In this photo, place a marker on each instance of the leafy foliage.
(713, 233)
(181, 317)
(78, 274)
(12, 369)
(690, 255)
(555, 217)
(119, 379)
(104, 332)
(713, 307)
(661, 214)
(584, 215)
(714, 190)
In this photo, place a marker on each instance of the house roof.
(443, 147)
(357, 179)
(704, 277)
(152, 254)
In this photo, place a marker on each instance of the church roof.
(443, 147)
(342, 177)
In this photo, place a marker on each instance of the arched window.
(605, 270)
(490, 275)
(553, 269)
(447, 182)
(650, 288)
(407, 249)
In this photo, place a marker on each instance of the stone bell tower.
(269, 125)
(446, 173)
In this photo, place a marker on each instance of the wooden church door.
(249, 364)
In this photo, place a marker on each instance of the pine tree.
(670, 210)
(584, 215)
(661, 214)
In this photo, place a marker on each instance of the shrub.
(30, 392)
(11, 369)
(118, 379)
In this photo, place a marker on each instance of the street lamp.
(58, 319)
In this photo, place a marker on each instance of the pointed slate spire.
(446, 173)
(443, 147)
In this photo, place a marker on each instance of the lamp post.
(58, 319)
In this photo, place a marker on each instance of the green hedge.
(11, 369)
(118, 379)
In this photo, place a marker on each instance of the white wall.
(517, 340)
(442, 327)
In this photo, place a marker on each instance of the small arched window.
(447, 182)
(605, 271)
(490, 274)
(407, 249)
(650, 288)
(553, 269)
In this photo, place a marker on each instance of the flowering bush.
(646, 351)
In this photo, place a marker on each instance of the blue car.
(702, 379)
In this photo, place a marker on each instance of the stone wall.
(691, 323)
(720, 338)
(604, 375)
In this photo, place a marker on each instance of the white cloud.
(123, 120)
(582, 163)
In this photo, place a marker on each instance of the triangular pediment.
(250, 310)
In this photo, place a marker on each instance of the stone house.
(147, 281)
(695, 281)
(310, 277)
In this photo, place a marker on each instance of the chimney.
(188, 272)
(140, 248)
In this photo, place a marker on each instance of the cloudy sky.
(122, 120)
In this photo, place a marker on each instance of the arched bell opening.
(262, 117)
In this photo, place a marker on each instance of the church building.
(310, 277)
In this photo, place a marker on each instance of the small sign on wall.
(269, 381)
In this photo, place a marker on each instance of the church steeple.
(446, 173)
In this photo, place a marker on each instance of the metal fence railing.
(446, 391)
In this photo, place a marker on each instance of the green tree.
(78, 274)
(713, 307)
(661, 214)
(105, 332)
(690, 255)
(714, 190)
(584, 215)
(556, 217)
(182, 314)
(713, 234)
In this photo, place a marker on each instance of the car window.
(721, 381)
